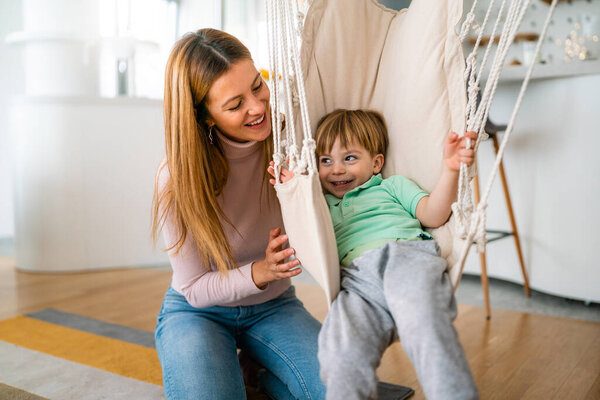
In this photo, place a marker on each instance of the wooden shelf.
(519, 37)
(560, 1)
(512, 74)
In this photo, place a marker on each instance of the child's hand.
(455, 150)
(285, 174)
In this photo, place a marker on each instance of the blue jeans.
(197, 348)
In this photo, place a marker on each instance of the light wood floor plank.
(552, 371)
(579, 383)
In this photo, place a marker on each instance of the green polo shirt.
(374, 213)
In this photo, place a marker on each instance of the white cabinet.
(553, 171)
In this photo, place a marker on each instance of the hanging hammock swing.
(407, 64)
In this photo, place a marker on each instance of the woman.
(222, 225)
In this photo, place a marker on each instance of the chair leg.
(482, 259)
(512, 221)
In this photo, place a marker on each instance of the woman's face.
(238, 103)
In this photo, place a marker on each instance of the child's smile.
(343, 169)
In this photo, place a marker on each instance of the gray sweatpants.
(401, 288)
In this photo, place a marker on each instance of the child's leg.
(419, 295)
(351, 343)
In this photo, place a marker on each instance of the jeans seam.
(166, 374)
(287, 360)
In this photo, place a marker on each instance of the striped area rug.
(56, 355)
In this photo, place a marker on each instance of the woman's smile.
(258, 123)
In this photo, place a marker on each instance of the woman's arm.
(203, 287)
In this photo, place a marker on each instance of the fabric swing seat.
(408, 65)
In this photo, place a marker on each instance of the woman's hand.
(284, 174)
(272, 268)
(455, 150)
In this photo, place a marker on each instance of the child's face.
(343, 169)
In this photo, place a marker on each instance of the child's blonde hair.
(366, 128)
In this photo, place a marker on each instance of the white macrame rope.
(492, 36)
(468, 23)
(285, 69)
(479, 216)
(308, 160)
(308, 146)
(514, 19)
(278, 156)
(474, 79)
(463, 208)
(283, 19)
(281, 63)
(297, 162)
(471, 62)
(506, 39)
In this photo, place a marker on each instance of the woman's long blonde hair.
(198, 168)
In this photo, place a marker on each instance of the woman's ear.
(378, 163)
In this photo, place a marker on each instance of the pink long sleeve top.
(252, 216)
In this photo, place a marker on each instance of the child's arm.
(434, 210)
(284, 174)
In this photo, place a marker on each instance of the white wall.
(11, 82)
(194, 15)
(245, 19)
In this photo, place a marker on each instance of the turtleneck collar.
(236, 150)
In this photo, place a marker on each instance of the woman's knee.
(198, 358)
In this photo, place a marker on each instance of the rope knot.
(278, 158)
(300, 22)
(295, 98)
(310, 144)
(481, 207)
(470, 17)
(478, 222)
(294, 164)
(471, 58)
(308, 155)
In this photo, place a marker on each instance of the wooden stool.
(492, 130)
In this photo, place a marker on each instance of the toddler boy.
(393, 278)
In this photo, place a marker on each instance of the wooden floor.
(513, 356)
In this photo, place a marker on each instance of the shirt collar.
(374, 181)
